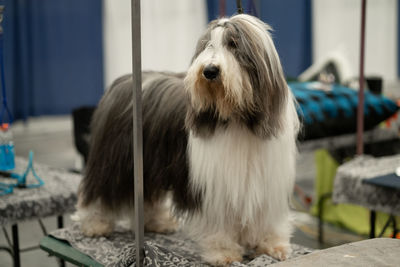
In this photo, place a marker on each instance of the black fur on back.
(109, 170)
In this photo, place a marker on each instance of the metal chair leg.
(321, 202)
(372, 220)
(60, 221)
(395, 230)
(16, 256)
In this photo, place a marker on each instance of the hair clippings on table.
(8, 188)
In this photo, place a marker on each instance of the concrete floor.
(51, 140)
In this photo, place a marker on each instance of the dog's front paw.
(220, 250)
(278, 251)
(222, 257)
(163, 226)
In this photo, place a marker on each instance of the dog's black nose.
(211, 72)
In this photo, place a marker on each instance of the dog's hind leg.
(158, 217)
(95, 219)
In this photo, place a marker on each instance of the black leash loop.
(239, 7)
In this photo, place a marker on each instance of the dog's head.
(236, 76)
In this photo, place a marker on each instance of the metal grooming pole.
(137, 131)
(360, 108)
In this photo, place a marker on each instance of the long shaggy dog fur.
(219, 140)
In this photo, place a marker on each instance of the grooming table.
(56, 197)
(329, 153)
(350, 186)
(176, 250)
(119, 249)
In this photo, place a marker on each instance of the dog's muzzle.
(211, 72)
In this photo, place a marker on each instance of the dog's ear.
(258, 57)
(270, 95)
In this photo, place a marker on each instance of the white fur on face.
(235, 82)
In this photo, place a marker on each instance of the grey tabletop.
(176, 249)
(349, 186)
(55, 197)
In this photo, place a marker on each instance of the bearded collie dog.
(219, 147)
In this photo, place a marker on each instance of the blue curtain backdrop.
(53, 55)
(54, 50)
(291, 21)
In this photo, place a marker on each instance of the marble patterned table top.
(349, 188)
(55, 197)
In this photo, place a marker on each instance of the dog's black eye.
(232, 44)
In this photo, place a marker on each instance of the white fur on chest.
(241, 176)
